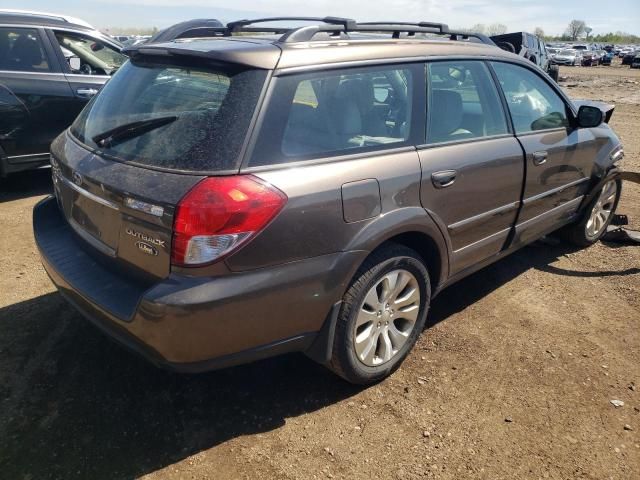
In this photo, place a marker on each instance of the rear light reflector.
(219, 215)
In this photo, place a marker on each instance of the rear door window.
(21, 50)
(337, 112)
(172, 115)
(463, 102)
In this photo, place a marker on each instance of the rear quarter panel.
(313, 221)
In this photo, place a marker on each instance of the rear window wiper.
(131, 130)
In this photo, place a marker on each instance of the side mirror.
(74, 63)
(96, 47)
(589, 116)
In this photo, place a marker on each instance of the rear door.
(559, 158)
(472, 165)
(34, 95)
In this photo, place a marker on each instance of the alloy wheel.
(602, 210)
(386, 317)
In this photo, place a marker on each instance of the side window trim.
(503, 99)
(551, 84)
(53, 41)
(54, 62)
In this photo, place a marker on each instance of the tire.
(386, 335)
(586, 232)
(554, 72)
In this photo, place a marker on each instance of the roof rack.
(339, 27)
(469, 35)
(239, 25)
(440, 27)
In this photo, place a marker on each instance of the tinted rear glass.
(209, 111)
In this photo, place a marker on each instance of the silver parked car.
(568, 56)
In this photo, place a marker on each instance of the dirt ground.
(513, 379)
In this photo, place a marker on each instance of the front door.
(559, 158)
(472, 165)
(95, 61)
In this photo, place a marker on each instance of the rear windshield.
(180, 117)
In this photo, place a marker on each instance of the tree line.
(576, 30)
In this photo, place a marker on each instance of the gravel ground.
(513, 379)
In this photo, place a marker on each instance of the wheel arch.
(414, 228)
(421, 234)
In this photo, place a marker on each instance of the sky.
(552, 15)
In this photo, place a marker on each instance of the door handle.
(86, 92)
(540, 157)
(443, 179)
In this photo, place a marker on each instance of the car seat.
(446, 122)
(26, 53)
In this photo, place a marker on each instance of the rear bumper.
(194, 324)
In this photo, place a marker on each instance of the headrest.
(360, 90)
(345, 116)
(447, 106)
(26, 51)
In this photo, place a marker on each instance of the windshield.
(209, 110)
(568, 52)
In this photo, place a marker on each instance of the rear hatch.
(158, 127)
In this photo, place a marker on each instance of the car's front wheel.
(597, 218)
(382, 314)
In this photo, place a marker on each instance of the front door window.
(89, 56)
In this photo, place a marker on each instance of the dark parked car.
(589, 58)
(224, 200)
(635, 63)
(628, 57)
(530, 47)
(50, 66)
(606, 58)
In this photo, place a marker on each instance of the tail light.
(219, 215)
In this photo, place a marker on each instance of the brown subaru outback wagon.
(311, 188)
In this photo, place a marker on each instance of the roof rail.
(53, 16)
(338, 26)
(469, 35)
(239, 25)
(332, 25)
(441, 27)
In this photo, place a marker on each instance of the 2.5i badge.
(146, 248)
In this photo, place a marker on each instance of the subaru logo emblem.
(77, 178)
